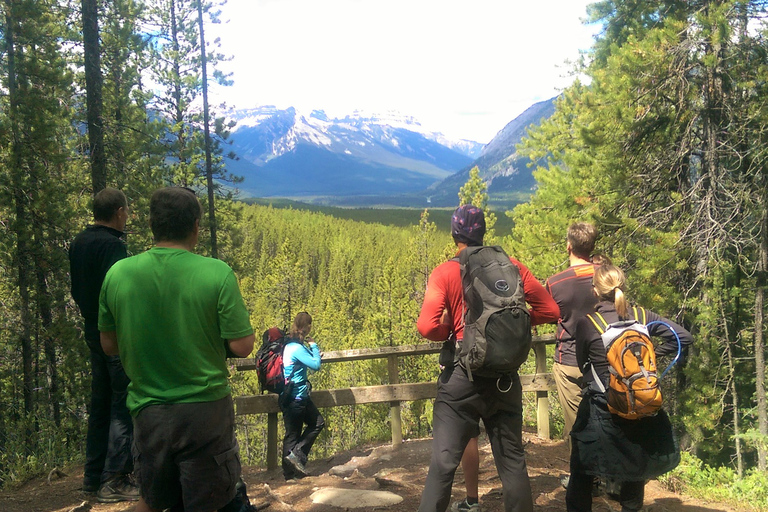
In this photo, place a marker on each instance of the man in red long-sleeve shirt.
(461, 402)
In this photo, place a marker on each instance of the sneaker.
(598, 487)
(294, 461)
(564, 481)
(612, 488)
(118, 488)
(464, 506)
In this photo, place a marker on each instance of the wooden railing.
(540, 383)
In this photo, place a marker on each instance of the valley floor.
(401, 472)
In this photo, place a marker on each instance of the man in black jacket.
(109, 463)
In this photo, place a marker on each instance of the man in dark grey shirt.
(109, 463)
(572, 290)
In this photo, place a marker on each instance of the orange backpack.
(633, 391)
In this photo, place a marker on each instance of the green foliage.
(363, 285)
(665, 152)
(695, 478)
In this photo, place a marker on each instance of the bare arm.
(109, 343)
(241, 347)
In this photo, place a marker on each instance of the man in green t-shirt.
(171, 315)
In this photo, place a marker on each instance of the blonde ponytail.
(620, 301)
(609, 283)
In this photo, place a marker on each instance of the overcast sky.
(462, 67)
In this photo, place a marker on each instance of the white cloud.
(464, 67)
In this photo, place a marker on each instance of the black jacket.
(91, 255)
(608, 445)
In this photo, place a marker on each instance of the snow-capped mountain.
(289, 153)
(504, 170)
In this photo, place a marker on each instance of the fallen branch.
(55, 472)
(83, 507)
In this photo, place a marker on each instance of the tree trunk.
(179, 115)
(93, 92)
(207, 131)
(734, 394)
(762, 283)
(21, 224)
(44, 307)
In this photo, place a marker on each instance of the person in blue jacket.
(300, 353)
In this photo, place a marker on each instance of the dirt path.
(402, 472)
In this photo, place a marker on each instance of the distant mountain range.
(369, 159)
(508, 175)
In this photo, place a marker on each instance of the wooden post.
(542, 397)
(394, 406)
(272, 440)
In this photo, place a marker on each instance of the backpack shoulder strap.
(600, 329)
(642, 318)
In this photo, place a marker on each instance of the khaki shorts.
(187, 452)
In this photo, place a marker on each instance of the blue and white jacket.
(302, 357)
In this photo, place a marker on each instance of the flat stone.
(354, 498)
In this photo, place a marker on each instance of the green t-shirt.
(172, 311)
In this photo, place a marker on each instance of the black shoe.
(118, 488)
(90, 488)
(294, 461)
(465, 506)
(241, 502)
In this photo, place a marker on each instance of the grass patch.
(695, 478)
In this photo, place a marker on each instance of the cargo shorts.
(187, 453)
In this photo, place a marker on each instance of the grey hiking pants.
(459, 407)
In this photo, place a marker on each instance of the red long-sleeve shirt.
(444, 292)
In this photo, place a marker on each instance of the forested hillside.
(662, 144)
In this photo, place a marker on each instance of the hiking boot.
(465, 506)
(294, 461)
(118, 488)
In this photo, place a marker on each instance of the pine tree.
(180, 63)
(661, 150)
(37, 135)
(475, 192)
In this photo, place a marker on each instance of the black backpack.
(269, 361)
(497, 325)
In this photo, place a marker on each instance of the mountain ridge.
(364, 159)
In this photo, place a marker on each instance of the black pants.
(599, 439)
(298, 439)
(578, 496)
(110, 427)
(459, 406)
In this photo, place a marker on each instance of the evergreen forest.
(661, 141)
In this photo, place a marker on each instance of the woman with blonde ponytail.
(605, 445)
(300, 354)
(608, 283)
